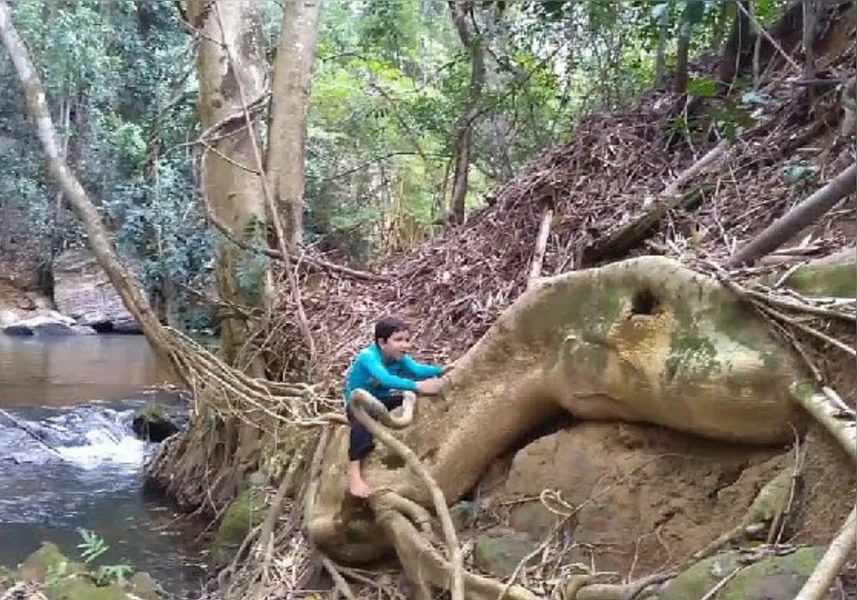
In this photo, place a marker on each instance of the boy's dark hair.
(387, 326)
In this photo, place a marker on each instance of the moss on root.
(773, 578)
(246, 511)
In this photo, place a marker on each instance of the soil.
(646, 498)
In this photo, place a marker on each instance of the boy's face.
(395, 346)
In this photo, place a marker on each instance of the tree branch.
(802, 215)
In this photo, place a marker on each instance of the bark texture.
(289, 107)
(231, 182)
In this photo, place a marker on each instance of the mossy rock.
(152, 423)
(48, 559)
(774, 578)
(142, 586)
(245, 512)
(835, 275)
(82, 588)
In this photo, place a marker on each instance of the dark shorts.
(361, 442)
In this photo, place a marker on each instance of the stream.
(69, 459)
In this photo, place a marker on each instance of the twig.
(721, 584)
(270, 252)
(807, 329)
(30, 432)
(338, 579)
(541, 246)
(774, 43)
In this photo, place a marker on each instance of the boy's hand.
(429, 387)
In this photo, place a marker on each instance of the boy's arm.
(380, 373)
(420, 370)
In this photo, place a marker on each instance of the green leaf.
(796, 173)
(703, 87)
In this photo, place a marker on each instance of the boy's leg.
(393, 401)
(359, 447)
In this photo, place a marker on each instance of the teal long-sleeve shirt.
(370, 372)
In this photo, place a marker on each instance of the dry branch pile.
(616, 169)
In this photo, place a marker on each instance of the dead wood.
(629, 236)
(804, 214)
(541, 246)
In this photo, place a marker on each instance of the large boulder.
(625, 482)
(83, 292)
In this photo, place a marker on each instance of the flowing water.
(69, 459)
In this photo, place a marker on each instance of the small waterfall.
(85, 437)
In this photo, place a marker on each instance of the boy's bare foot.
(359, 488)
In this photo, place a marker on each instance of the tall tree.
(231, 59)
(474, 44)
(289, 109)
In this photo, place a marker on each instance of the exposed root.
(843, 427)
(830, 565)
(338, 579)
(419, 558)
(360, 401)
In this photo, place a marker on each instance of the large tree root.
(361, 400)
(843, 427)
(421, 560)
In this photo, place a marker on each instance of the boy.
(383, 369)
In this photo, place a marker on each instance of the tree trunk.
(660, 58)
(682, 51)
(461, 155)
(96, 233)
(808, 40)
(289, 108)
(737, 45)
(804, 214)
(231, 183)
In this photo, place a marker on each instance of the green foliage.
(92, 546)
(389, 86)
(119, 81)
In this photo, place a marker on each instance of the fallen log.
(804, 214)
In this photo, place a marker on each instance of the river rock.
(48, 323)
(83, 291)
(247, 510)
(152, 423)
(64, 579)
(499, 550)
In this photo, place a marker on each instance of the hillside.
(609, 174)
